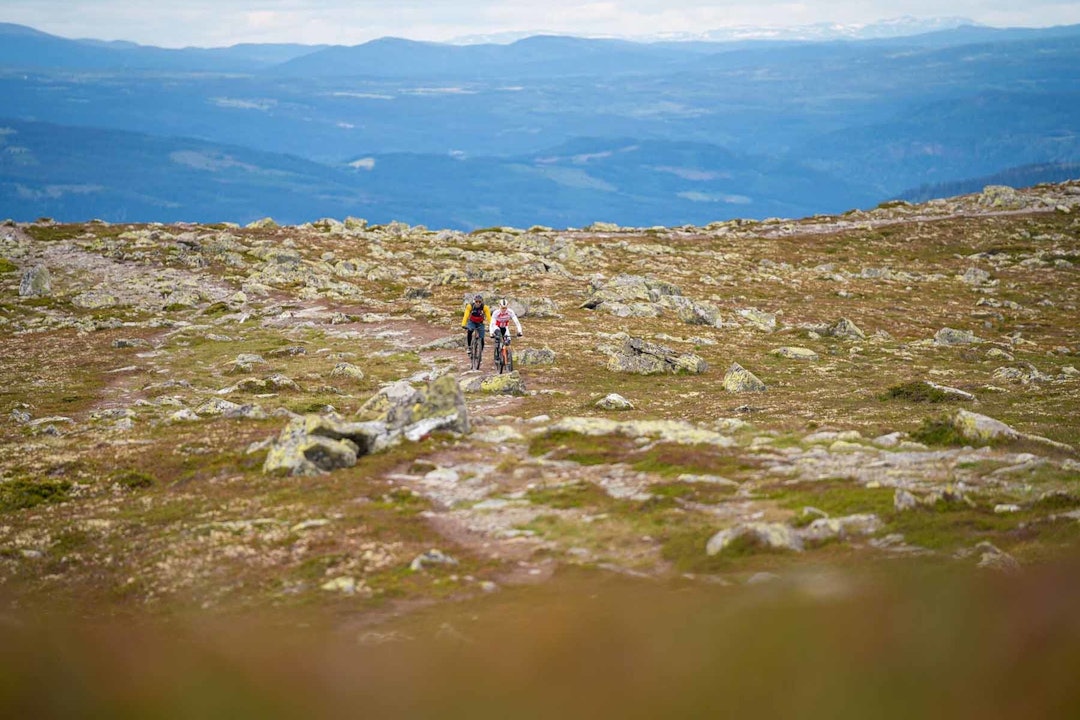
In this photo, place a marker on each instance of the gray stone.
(761, 320)
(634, 355)
(904, 500)
(739, 380)
(534, 356)
(348, 371)
(36, 282)
(796, 353)
(431, 558)
(95, 300)
(771, 535)
(844, 328)
(975, 276)
(950, 336)
(614, 401)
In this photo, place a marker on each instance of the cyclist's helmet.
(502, 303)
(478, 298)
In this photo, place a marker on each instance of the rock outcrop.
(634, 355)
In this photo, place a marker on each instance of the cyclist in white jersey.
(501, 318)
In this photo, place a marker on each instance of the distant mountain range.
(548, 129)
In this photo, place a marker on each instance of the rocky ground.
(217, 416)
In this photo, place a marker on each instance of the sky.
(210, 23)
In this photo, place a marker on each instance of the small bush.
(135, 480)
(938, 431)
(916, 391)
(22, 494)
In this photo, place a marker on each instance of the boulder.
(843, 527)
(401, 407)
(981, 428)
(1001, 197)
(312, 444)
(627, 290)
(946, 337)
(614, 401)
(634, 355)
(763, 321)
(36, 282)
(975, 276)
(691, 312)
(266, 223)
(795, 353)
(95, 300)
(348, 371)
(844, 328)
(534, 356)
(739, 380)
(503, 384)
(769, 535)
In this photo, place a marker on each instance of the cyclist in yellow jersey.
(476, 316)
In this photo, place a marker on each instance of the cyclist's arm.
(487, 314)
(513, 316)
(465, 317)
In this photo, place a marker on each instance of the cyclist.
(477, 314)
(500, 321)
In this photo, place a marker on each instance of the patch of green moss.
(134, 480)
(577, 495)
(834, 497)
(6, 266)
(916, 391)
(55, 233)
(22, 494)
(938, 431)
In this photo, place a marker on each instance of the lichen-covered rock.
(993, 558)
(676, 431)
(266, 223)
(845, 328)
(1001, 197)
(404, 408)
(759, 319)
(245, 363)
(628, 290)
(795, 353)
(842, 527)
(503, 384)
(614, 401)
(348, 371)
(535, 356)
(690, 311)
(95, 300)
(739, 380)
(950, 336)
(975, 276)
(312, 444)
(634, 355)
(36, 282)
(981, 428)
(770, 535)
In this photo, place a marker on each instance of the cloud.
(223, 22)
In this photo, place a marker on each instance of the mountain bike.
(476, 349)
(504, 356)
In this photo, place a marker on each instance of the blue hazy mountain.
(23, 47)
(535, 131)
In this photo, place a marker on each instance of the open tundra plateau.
(216, 417)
